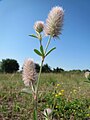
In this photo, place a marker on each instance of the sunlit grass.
(15, 105)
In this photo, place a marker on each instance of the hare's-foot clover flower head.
(39, 26)
(87, 74)
(29, 74)
(54, 22)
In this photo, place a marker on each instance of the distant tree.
(37, 67)
(46, 68)
(87, 70)
(75, 71)
(58, 70)
(0, 66)
(9, 65)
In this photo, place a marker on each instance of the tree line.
(11, 66)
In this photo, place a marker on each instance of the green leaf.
(38, 52)
(50, 51)
(42, 50)
(35, 115)
(32, 35)
(26, 90)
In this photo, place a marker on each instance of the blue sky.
(17, 18)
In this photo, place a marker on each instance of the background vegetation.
(9, 66)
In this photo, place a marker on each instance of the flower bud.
(39, 26)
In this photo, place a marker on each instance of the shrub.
(9, 65)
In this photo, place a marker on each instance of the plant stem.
(48, 44)
(38, 81)
(35, 115)
(40, 43)
(39, 76)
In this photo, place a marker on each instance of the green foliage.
(37, 67)
(0, 66)
(65, 109)
(46, 68)
(42, 50)
(32, 35)
(50, 51)
(26, 90)
(58, 70)
(37, 52)
(9, 65)
(35, 115)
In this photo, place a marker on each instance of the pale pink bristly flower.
(87, 74)
(54, 22)
(29, 74)
(39, 26)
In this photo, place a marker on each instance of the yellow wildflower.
(56, 106)
(62, 90)
(56, 95)
(58, 84)
(88, 115)
(59, 93)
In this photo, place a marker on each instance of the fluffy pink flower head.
(29, 74)
(39, 26)
(87, 74)
(54, 22)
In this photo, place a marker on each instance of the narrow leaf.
(32, 35)
(41, 49)
(35, 115)
(50, 51)
(38, 52)
(26, 90)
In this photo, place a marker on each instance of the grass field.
(15, 105)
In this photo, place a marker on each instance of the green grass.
(15, 105)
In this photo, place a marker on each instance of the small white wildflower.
(47, 111)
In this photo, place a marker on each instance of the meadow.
(67, 93)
